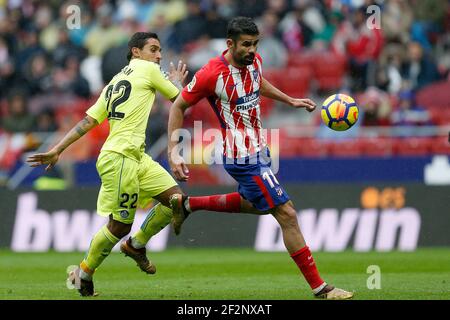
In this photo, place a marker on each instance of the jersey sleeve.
(199, 87)
(160, 82)
(98, 109)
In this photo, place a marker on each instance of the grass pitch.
(219, 274)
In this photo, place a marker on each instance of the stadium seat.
(350, 148)
(266, 106)
(294, 81)
(302, 59)
(329, 70)
(439, 115)
(413, 146)
(311, 148)
(376, 147)
(440, 145)
(436, 94)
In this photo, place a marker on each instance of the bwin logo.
(329, 230)
(37, 229)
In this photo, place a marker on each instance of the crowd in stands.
(54, 63)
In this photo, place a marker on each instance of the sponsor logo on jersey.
(247, 102)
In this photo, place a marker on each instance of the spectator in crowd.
(419, 69)
(429, 16)
(29, 48)
(192, 27)
(333, 20)
(397, 19)
(66, 48)
(37, 74)
(389, 69)
(216, 23)
(46, 121)
(363, 47)
(408, 113)
(375, 108)
(251, 8)
(202, 52)
(67, 79)
(6, 67)
(443, 54)
(78, 35)
(271, 49)
(18, 118)
(296, 33)
(173, 11)
(104, 34)
(227, 9)
(164, 30)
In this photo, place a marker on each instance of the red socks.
(230, 202)
(307, 266)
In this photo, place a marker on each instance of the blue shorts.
(257, 183)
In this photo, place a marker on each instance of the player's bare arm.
(51, 157)
(176, 116)
(270, 91)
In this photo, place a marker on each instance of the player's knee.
(119, 229)
(287, 216)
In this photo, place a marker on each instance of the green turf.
(228, 274)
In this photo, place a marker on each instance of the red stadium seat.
(329, 70)
(440, 145)
(304, 59)
(266, 105)
(413, 146)
(294, 81)
(311, 147)
(436, 94)
(439, 115)
(346, 149)
(377, 147)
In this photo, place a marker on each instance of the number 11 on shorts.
(267, 176)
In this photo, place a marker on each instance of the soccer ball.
(339, 112)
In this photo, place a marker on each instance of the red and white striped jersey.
(233, 93)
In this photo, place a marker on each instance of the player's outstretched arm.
(51, 157)
(176, 116)
(270, 91)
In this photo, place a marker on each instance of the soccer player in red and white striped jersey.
(233, 83)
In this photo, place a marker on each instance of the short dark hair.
(241, 25)
(138, 40)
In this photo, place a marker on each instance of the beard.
(245, 60)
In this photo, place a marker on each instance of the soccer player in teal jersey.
(129, 176)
